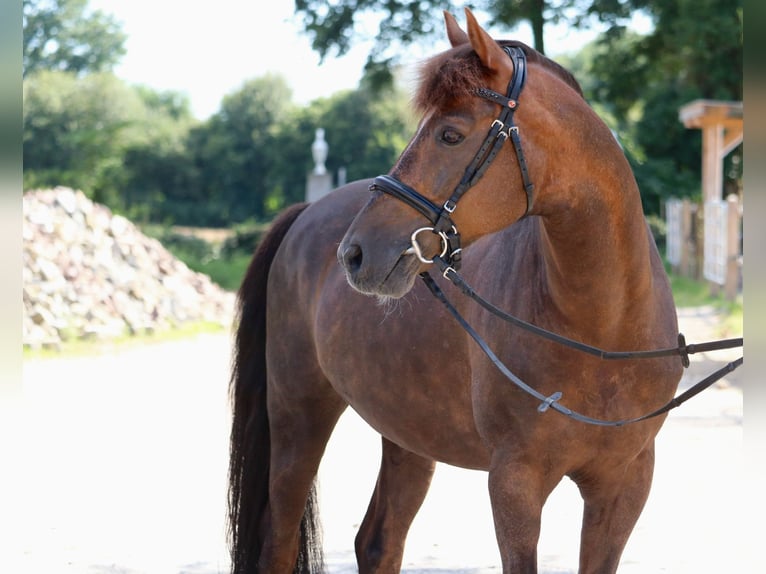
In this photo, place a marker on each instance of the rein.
(683, 350)
(448, 261)
(552, 401)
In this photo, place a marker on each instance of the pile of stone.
(89, 273)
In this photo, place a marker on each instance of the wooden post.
(731, 286)
(712, 162)
(722, 127)
(687, 241)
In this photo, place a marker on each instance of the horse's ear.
(454, 31)
(490, 53)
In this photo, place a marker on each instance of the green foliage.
(75, 129)
(227, 271)
(251, 159)
(158, 163)
(97, 134)
(140, 151)
(695, 51)
(231, 153)
(224, 263)
(659, 230)
(244, 241)
(63, 35)
(333, 27)
(690, 293)
(365, 130)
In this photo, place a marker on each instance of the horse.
(331, 315)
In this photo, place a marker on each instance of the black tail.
(250, 445)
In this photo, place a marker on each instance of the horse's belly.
(430, 430)
(404, 369)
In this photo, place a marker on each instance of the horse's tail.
(249, 448)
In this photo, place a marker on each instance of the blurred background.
(159, 141)
(196, 123)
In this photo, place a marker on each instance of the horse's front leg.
(613, 502)
(518, 489)
(403, 482)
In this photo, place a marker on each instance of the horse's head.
(467, 96)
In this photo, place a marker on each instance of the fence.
(706, 243)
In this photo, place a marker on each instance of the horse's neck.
(597, 257)
(593, 235)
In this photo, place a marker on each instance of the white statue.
(319, 152)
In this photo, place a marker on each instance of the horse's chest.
(406, 372)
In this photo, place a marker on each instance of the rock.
(91, 274)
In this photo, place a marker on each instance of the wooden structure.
(722, 126)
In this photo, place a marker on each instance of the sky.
(209, 49)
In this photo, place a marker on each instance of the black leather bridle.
(501, 129)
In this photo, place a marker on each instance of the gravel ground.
(119, 467)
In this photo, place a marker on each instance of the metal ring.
(415, 248)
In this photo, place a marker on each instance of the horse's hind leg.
(301, 423)
(613, 504)
(402, 485)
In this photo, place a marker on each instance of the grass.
(221, 254)
(688, 292)
(90, 347)
(226, 270)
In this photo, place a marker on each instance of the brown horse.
(572, 255)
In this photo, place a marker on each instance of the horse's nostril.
(352, 258)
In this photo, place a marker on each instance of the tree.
(333, 27)
(123, 146)
(232, 152)
(75, 130)
(157, 166)
(366, 130)
(694, 51)
(63, 35)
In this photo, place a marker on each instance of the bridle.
(448, 260)
(502, 129)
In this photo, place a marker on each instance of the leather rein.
(448, 261)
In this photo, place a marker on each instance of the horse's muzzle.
(387, 273)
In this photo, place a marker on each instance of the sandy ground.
(118, 466)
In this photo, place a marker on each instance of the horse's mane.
(458, 72)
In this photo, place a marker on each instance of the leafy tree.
(63, 35)
(366, 130)
(123, 146)
(334, 26)
(695, 51)
(231, 153)
(75, 130)
(158, 165)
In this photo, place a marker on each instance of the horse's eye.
(451, 137)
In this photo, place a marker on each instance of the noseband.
(500, 130)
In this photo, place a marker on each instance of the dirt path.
(122, 460)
